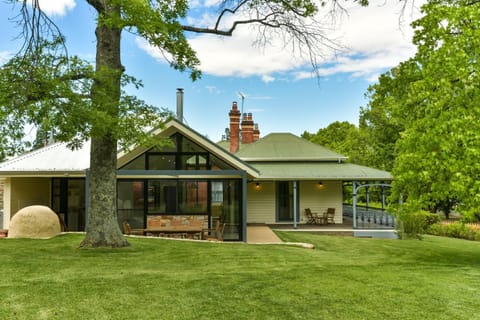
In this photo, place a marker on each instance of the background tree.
(77, 102)
(387, 113)
(433, 100)
(342, 137)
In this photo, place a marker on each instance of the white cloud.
(267, 78)
(212, 89)
(57, 7)
(374, 39)
(5, 56)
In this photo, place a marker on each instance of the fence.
(371, 218)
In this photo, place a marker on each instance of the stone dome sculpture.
(35, 222)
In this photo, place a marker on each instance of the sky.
(279, 87)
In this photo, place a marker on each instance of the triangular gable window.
(183, 154)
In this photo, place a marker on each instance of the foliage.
(430, 104)
(456, 229)
(342, 137)
(382, 120)
(53, 94)
(412, 222)
(376, 278)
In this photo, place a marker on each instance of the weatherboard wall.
(261, 206)
(321, 197)
(23, 192)
(261, 203)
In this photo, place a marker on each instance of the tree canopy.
(344, 138)
(428, 108)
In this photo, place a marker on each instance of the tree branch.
(99, 5)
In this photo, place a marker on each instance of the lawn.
(342, 278)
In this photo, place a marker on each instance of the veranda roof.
(319, 171)
(284, 156)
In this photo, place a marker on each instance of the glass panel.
(217, 192)
(189, 146)
(161, 162)
(231, 209)
(75, 219)
(162, 197)
(218, 164)
(56, 194)
(136, 164)
(202, 162)
(170, 146)
(193, 196)
(130, 195)
(285, 201)
(130, 201)
(188, 162)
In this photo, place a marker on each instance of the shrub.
(455, 230)
(412, 222)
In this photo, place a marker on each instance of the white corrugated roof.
(54, 158)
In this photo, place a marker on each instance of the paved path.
(261, 234)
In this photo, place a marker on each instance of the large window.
(177, 197)
(130, 203)
(217, 199)
(68, 200)
(183, 154)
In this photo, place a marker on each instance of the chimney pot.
(180, 104)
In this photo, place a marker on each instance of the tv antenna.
(242, 95)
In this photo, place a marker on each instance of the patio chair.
(330, 215)
(313, 218)
(127, 229)
(216, 233)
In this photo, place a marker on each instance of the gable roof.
(55, 159)
(173, 126)
(58, 159)
(283, 147)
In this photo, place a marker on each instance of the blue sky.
(280, 89)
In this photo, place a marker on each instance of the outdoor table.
(191, 230)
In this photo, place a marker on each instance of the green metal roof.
(318, 171)
(281, 147)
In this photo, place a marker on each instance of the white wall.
(261, 201)
(320, 198)
(23, 192)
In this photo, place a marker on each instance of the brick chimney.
(256, 132)
(247, 128)
(234, 115)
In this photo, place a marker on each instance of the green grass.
(343, 278)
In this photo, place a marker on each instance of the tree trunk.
(102, 226)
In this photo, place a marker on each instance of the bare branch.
(37, 26)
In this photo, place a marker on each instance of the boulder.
(36, 222)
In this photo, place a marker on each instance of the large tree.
(434, 100)
(76, 102)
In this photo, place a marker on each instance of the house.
(255, 180)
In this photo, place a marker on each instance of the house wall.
(261, 201)
(319, 199)
(23, 192)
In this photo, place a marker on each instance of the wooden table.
(180, 229)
